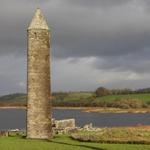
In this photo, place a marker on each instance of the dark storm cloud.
(15, 17)
(115, 32)
(12, 74)
(138, 63)
(97, 3)
(95, 32)
(78, 31)
(111, 34)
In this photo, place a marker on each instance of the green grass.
(77, 96)
(62, 143)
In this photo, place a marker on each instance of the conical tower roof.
(38, 21)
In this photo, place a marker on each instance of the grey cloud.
(116, 32)
(137, 63)
(79, 32)
(134, 84)
(97, 3)
(12, 74)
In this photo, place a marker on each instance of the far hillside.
(17, 99)
(102, 97)
(90, 99)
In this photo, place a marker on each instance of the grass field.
(145, 97)
(62, 143)
(110, 98)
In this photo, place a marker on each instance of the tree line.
(102, 91)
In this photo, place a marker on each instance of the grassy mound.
(138, 135)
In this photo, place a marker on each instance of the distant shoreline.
(91, 109)
(107, 109)
(12, 107)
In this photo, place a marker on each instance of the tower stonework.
(38, 79)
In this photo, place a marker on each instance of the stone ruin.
(65, 126)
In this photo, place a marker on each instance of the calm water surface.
(16, 118)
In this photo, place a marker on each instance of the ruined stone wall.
(38, 83)
(66, 123)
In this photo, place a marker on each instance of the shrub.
(129, 103)
(101, 91)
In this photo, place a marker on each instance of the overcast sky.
(94, 43)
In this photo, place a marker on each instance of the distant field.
(13, 98)
(86, 99)
(62, 143)
(142, 97)
(89, 99)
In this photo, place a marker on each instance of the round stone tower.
(38, 79)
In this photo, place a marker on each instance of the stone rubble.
(65, 126)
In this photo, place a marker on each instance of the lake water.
(16, 118)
